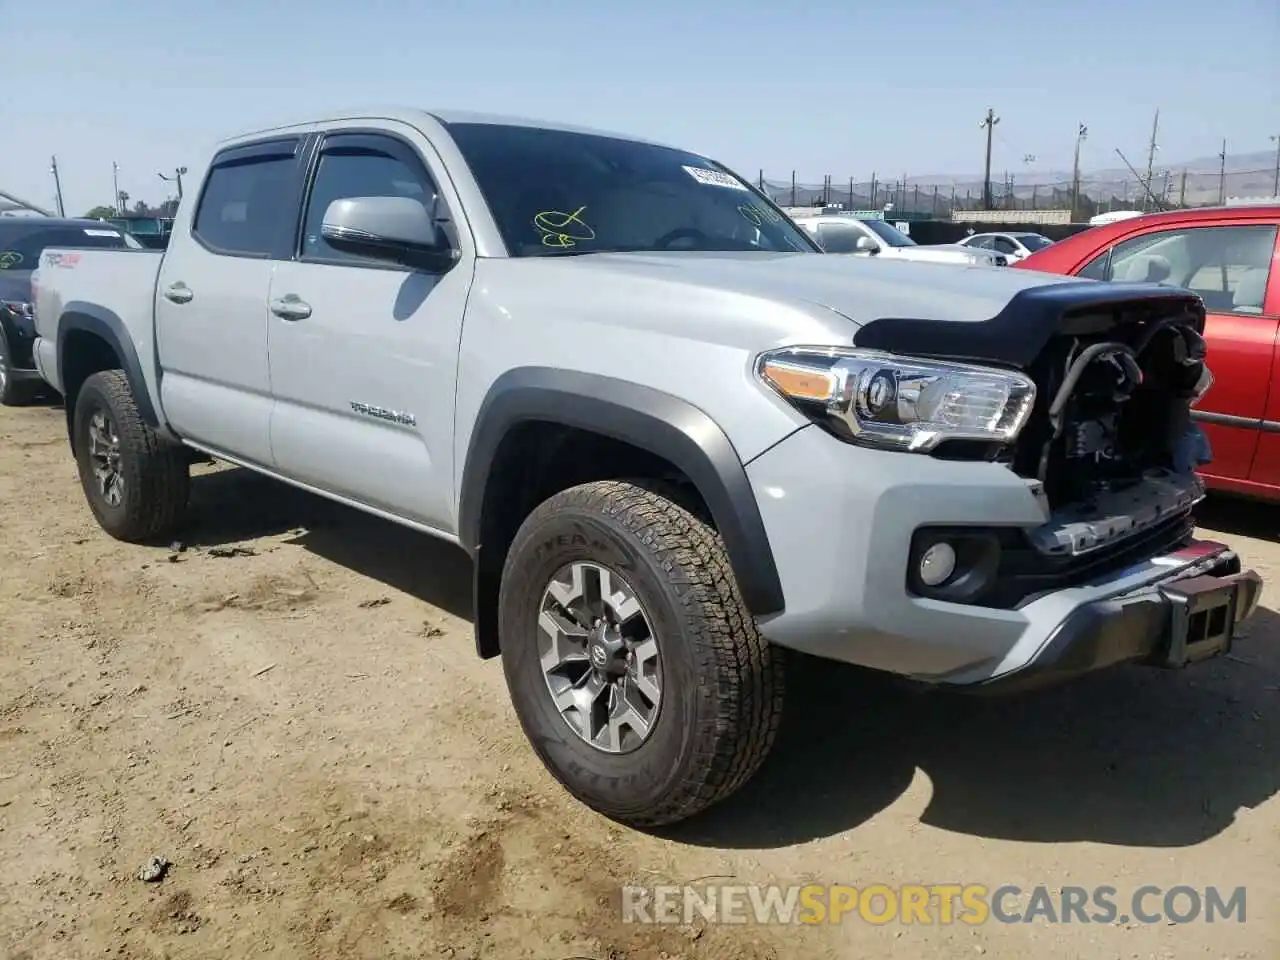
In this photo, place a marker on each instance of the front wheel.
(136, 482)
(634, 666)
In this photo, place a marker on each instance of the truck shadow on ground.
(233, 505)
(1231, 516)
(1130, 756)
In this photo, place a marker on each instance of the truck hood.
(860, 289)
(935, 253)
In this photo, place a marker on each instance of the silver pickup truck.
(676, 439)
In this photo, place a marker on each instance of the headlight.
(897, 403)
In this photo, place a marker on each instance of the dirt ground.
(289, 710)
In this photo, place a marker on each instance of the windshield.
(889, 233)
(1033, 241)
(22, 243)
(554, 192)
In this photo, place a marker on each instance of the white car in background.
(1014, 246)
(841, 233)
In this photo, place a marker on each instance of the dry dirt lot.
(290, 711)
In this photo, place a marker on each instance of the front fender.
(649, 419)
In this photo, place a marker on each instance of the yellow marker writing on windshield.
(561, 229)
(9, 258)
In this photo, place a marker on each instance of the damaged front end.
(1111, 440)
(1109, 447)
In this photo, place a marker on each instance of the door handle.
(290, 307)
(178, 292)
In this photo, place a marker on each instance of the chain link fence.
(929, 197)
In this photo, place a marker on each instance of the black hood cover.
(1017, 334)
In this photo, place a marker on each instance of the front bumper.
(1172, 623)
(840, 520)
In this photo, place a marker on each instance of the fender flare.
(105, 325)
(657, 422)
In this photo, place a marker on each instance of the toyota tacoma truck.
(676, 438)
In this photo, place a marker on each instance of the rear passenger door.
(364, 353)
(211, 298)
(1227, 266)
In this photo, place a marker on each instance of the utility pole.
(1275, 187)
(989, 122)
(1082, 133)
(57, 185)
(1182, 190)
(176, 178)
(793, 188)
(1151, 156)
(115, 187)
(1222, 174)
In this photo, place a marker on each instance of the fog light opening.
(937, 564)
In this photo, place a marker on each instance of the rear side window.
(245, 204)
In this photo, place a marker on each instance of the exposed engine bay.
(1112, 433)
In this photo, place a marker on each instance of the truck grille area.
(1113, 395)
(1026, 573)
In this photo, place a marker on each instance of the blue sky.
(841, 87)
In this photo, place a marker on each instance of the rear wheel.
(633, 664)
(136, 482)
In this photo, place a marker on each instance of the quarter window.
(243, 205)
(346, 172)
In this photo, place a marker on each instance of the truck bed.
(113, 287)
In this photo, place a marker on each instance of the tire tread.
(740, 674)
(157, 471)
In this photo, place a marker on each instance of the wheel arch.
(92, 339)
(641, 418)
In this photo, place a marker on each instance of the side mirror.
(866, 245)
(394, 229)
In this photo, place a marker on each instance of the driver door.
(364, 353)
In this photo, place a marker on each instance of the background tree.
(100, 213)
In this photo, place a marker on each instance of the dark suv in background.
(22, 239)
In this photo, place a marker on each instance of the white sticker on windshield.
(713, 178)
(90, 232)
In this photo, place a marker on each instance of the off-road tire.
(155, 471)
(13, 393)
(722, 683)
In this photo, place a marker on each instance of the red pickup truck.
(1229, 256)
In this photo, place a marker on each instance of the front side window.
(243, 205)
(1227, 266)
(356, 172)
(553, 192)
(839, 237)
(1004, 245)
